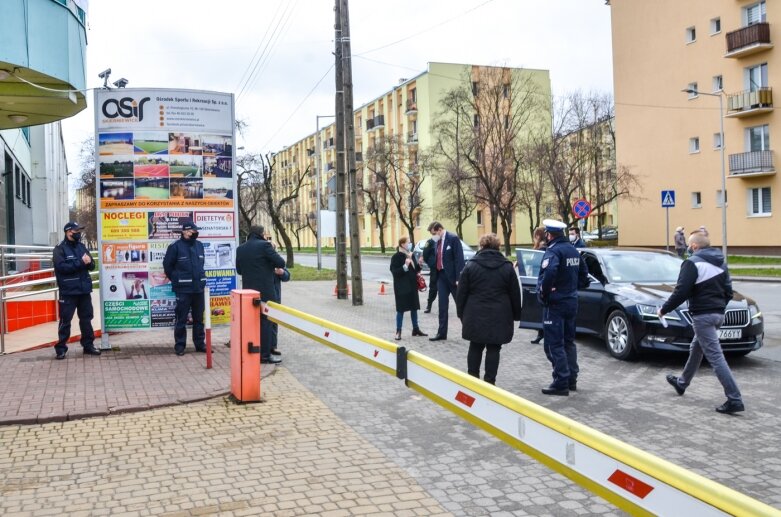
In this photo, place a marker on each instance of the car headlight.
(647, 311)
(755, 312)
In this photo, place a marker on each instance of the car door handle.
(531, 291)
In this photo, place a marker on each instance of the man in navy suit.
(449, 263)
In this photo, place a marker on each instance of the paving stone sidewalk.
(288, 456)
(143, 373)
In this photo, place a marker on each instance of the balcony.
(749, 103)
(329, 167)
(412, 107)
(748, 40)
(370, 124)
(412, 138)
(379, 121)
(328, 143)
(751, 164)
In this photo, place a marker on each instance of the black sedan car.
(627, 287)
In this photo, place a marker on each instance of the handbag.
(421, 283)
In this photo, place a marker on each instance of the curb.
(763, 279)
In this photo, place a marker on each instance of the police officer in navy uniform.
(562, 273)
(72, 264)
(183, 265)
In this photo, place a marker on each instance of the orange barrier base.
(245, 345)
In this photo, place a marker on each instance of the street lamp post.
(723, 167)
(318, 149)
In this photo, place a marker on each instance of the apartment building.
(680, 70)
(406, 113)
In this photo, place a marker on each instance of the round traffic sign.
(581, 208)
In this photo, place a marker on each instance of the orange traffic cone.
(336, 290)
(382, 288)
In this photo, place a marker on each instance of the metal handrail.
(36, 282)
(26, 273)
(26, 246)
(28, 255)
(42, 291)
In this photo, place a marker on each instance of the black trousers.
(433, 289)
(82, 304)
(475, 356)
(446, 290)
(184, 303)
(266, 337)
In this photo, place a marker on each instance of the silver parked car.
(418, 251)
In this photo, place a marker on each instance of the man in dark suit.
(449, 263)
(430, 258)
(256, 262)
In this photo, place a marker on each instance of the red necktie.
(440, 249)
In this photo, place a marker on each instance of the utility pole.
(347, 76)
(341, 245)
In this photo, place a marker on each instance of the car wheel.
(619, 336)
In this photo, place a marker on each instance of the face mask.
(435, 237)
(76, 236)
(573, 238)
(408, 246)
(194, 235)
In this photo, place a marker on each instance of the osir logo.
(126, 107)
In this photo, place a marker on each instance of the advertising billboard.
(163, 156)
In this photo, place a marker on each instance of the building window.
(413, 94)
(759, 201)
(691, 35)
(696, 199)
(758, 138)
(718, 83)
(506, 91)
(29, 197)
(694, 144)
(755, 13)
(475, 88)
(18, 182)
(717, 140)
(756, 77)
(507, 121)
(720, 198)
(26, 132)
(476, 120)
(479, 218)
(693, 90)
(715, 26)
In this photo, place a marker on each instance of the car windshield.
(641, 267)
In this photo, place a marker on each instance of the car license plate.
(730, 333)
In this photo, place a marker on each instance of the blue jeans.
(706, 343)
(400, 319)
(559, 328)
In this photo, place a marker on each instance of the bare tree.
(261, 190)
(505, 105)
(86, 213)
(375, 199)
(401, 172)
(456, 181)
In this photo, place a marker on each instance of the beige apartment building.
(723, 49)
(406, 111)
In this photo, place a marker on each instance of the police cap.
(552, 225)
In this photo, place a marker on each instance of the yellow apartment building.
(408, 112)
(715, 49)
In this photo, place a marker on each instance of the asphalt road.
(766, 294)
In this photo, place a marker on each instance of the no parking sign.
(581, 208)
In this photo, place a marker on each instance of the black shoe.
(60, 355)
(437, 338)
(564, 392)
(201, 349)
(573, 386)
(397, 337)
(91, 351)
(271, 360)
(417, 332)
(428, 309)
(731, 406)
(536, 340)
(276, 352)
(673, 380)
(180, 352)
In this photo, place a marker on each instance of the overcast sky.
(209, 45)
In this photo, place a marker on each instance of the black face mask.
(194, 235)
(76, 236)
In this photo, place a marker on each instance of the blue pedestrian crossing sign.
(668, 199)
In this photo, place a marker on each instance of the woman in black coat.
(405, 286)
(488, 301)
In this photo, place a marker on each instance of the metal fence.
(13, 284)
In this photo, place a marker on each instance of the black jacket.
(488, 299)
(704, 280)
(255, 262)
(72, 273)
(405, 283)
(183, 265)
(430, 255)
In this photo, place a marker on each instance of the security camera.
(121, 83)
(104, 75)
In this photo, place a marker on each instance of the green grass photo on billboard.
(151, 147)
(185, 171)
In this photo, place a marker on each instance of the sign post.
(163, 157)
(668, 201)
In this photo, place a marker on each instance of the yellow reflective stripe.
(710, 492)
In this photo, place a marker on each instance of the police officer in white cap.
(562, 273)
